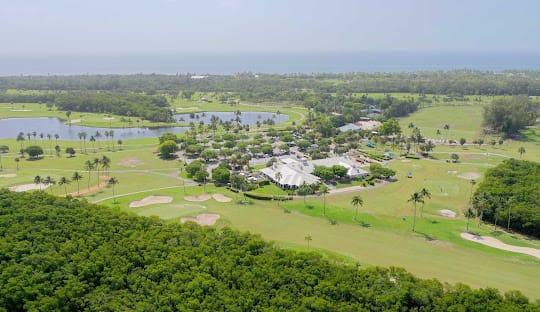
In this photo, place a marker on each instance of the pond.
(10, 128)
(245, 118)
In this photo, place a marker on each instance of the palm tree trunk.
(509, 212)
(414, 218)
(356, 213)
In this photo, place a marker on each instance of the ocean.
(277, 63)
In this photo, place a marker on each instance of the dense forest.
(64, 254)
(510, 195)
(149, 107)
(293, 87)
(510, 115)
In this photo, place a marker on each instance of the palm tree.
(88, 166)
(521, 151)
(425, 193)
(49, 182)
(97, 136)
(105, 163)
(416, 197)
(68, 114)
(473, 182)
(107, 138)
(17, 160)
(38, 181)
(20, 138)
(64, 181)
(113, 181)
(324, 190)
(77, 177)
(308, 239)
(111, 134)
(96, 162)
(83, 135)
(56, 137)
(93, 140)
(356, 202)
(49, 137)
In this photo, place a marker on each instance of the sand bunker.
(221, 198)
(130, 162)
(8, 175)
(151, 200)
(108, 118)
(452, 172)
(202, 219)
(199, 198)
(21, 110)
(447, 213)
(75, 121)
(495, 243)
(469, 175)
(28, 187)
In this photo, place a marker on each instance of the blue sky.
(142, 26)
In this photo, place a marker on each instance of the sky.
(32, 27)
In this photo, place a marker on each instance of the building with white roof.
(293, 172)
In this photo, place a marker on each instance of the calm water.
(281, 63)
(10, 128)
(246, 118)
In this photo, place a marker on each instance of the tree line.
(65, 254)
(292, 86)
(509, 196)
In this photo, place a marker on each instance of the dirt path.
(495, 243)
(93, 189)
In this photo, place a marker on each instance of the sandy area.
(187, 108)
(495, 243)
(8, 175)
(27, 187)
(21, 110)
(199, 198)
(151, 200)
(202, 219)
(108, 118)
(221, 198)
(75, 121)
(452, 172)
(469, 175)
(131, 162)
(447, 213)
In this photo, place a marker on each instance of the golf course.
(380, 234)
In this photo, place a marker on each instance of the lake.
(246, 118)
(10, 128)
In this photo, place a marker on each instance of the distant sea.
(278, 63)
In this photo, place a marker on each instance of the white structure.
(289, 177)
(293, 172)
(365, 124)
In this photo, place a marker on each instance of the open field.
(381, 236)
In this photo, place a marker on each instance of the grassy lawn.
(270, 189)
(464, 121)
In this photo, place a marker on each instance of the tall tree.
(77, 177)
(356, 202)
(415, 198)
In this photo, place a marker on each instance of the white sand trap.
(21, 110)
(28, 187)
(151, 200)
(108, 118)
(75, 121)
(202, 219)
(495, 243)
(447, 213)
(187, 108)
(8, 175)
(130, 162)
(469, 175)
(199, 198)
(221, 198)
(452, 172)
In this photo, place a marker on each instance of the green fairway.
(464, 122)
